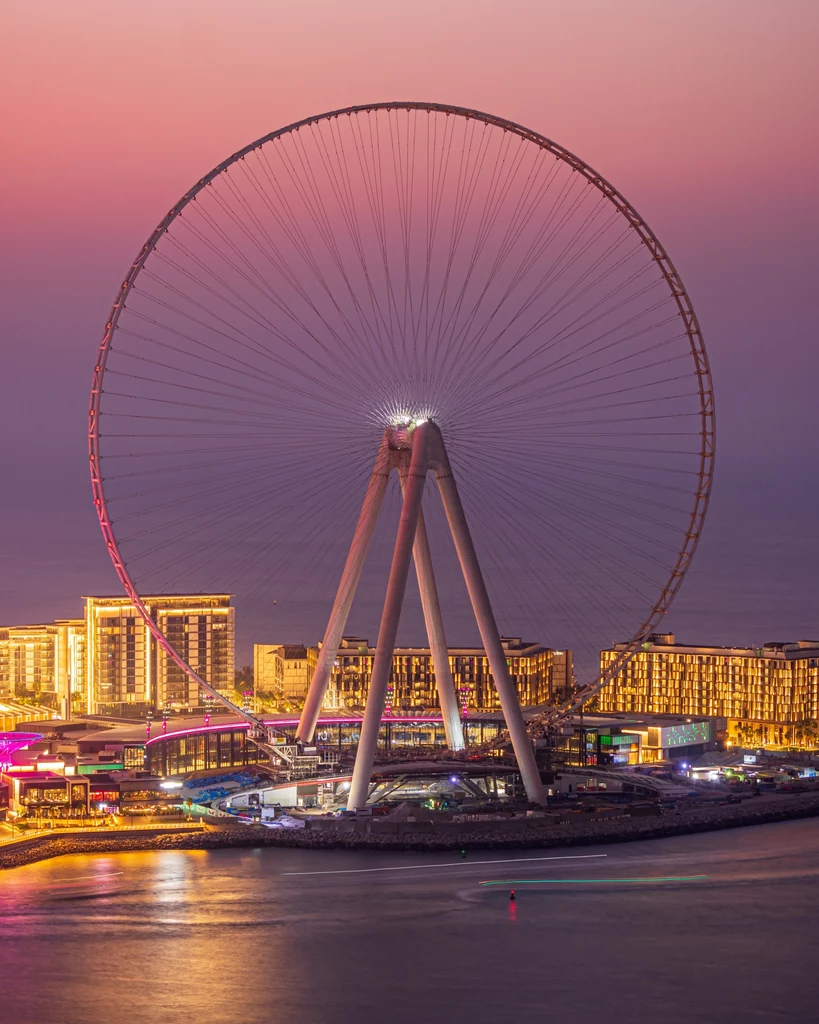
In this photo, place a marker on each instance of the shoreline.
(536, 836)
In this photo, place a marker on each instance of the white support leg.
(396, 587)
(479, 597)
(450, 712)
(346, 591)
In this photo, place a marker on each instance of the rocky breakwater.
(549, 830)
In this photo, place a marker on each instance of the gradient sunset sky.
(702, 112)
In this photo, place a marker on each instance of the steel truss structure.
(413, 450)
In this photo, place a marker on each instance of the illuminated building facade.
(118, 646)
(127, 673)
(70, 665)
(43, 663)
(768, 694)
(283, 671)
(29, 661)
(537, 672)
(108, 661)
(202, 631)
(46, 794)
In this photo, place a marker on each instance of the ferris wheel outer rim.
(705, 473)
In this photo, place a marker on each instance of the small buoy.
(463, 854)
(512, 895)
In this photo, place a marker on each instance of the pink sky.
(703, 113)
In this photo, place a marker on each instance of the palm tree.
(809, 730)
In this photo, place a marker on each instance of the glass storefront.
(228, 748)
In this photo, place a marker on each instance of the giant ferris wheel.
(406, 333)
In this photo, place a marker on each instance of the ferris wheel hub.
(400, 431)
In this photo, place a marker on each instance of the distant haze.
(703, 115)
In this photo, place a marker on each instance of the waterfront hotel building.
(768, 694)
(284, 672)
(108, 662)
(43, 664)
(128, 672)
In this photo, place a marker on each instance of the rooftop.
(786, 648)
(136, 731)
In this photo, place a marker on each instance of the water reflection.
(247, 936)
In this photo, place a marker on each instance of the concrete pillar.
(487, 627)
(396, 588)
(450, 711)
(346, 591)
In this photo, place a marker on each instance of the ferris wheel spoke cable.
(504, 582)
(377, 213)
(255, 349)
(557, 525)
(259, 449)
(268, 415)
(514, 614)
(371, 330)
(482, 345)
(353, 335)
(228, 507)
(252, 313)
(578, 590)
(319, 540)
(259, 280)
(564, 384)
(549, 405)
(330, 551)
(262, 422)
(466, 336)
(390, 264)
(604, 500)
(463, 197)
(562, 303)
(260, 287)
(597, 468)
(434, 194)
(588, 492)
(551, 416)
(580, 323)
(251, 527)
(278, 264)
(180, 498)
(253, 373)
(560, 614)
(319, 216)
(489, 215)
(558, 522)
(500, 368)
(404, 177)
(236, 296)
(260, 457)
(584, 546)
(589, 478)
(242, 566)
(574, 580)
(247, 396)
(561, 263)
